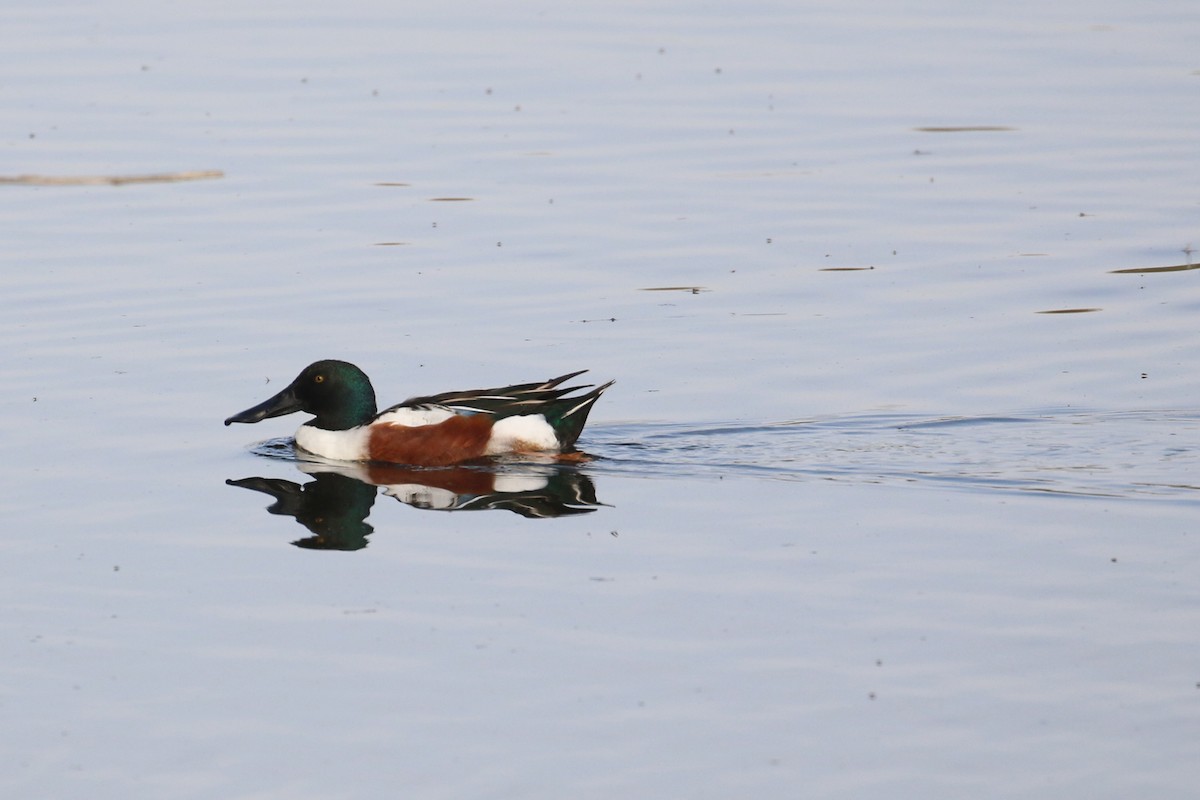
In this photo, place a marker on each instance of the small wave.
(1112, 454)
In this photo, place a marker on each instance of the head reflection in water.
(334, 507)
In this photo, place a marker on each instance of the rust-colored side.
(459, 480)
(460, 438)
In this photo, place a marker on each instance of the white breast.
(348, 445)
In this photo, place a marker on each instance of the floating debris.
(110, 180)
(1144, 270)
(692, 289)
(1069, 311)
(963, 128)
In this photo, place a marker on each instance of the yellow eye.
(319, 378)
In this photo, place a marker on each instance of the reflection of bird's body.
(334, 505)
(531, 490)
(437, 430)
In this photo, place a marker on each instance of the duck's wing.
(503, 400)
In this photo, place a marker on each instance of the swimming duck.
(433, 431)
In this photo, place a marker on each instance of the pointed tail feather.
(568, 415)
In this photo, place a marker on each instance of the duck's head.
(337, 393)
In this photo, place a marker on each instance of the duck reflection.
(335, 504)
(334, 507)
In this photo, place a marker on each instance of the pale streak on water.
(867, 521)
(1117, 455)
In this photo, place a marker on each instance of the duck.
(430, 431)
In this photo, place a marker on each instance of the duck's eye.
(318, 379)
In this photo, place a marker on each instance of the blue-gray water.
(864, 520)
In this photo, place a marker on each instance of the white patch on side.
(422, 496)
(416, 417)
(518, 483)
(348, 445)
(530, 432)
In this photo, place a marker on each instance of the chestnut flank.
(460, 438)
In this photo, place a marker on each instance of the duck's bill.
(285, 402)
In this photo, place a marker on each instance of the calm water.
(896, 494)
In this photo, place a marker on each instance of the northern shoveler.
(433, 431)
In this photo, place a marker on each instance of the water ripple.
(1123, 454)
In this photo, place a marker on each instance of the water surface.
(896, 493)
